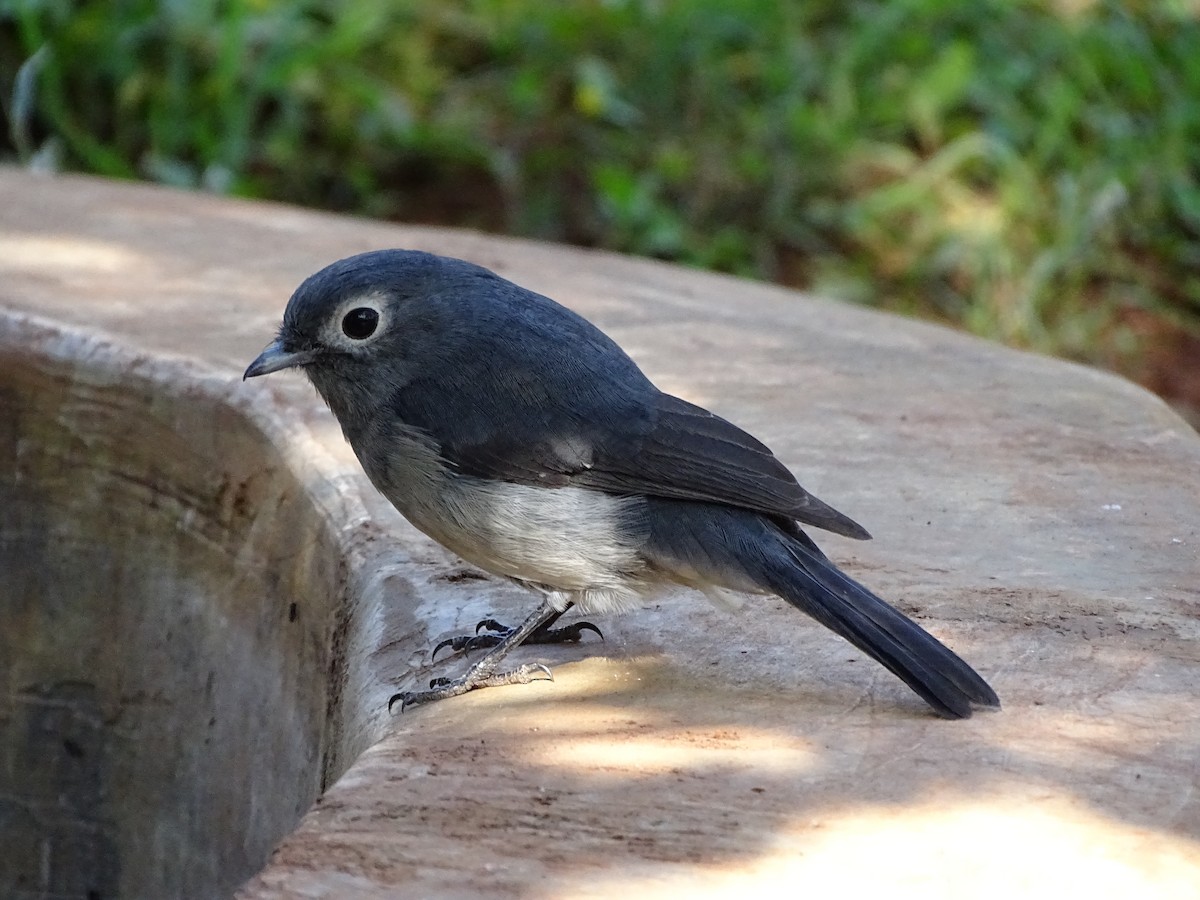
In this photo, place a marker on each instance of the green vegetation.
(1025, 168)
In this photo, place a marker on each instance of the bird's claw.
(456, 644)
(443, 688)
(465, 643)
(565, 635)
(579, 628)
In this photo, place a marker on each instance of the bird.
(521, 437)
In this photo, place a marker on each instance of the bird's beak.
(276, 357)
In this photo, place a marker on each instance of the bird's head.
(347, 314)
(366, 324)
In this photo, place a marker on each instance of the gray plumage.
(517, 434)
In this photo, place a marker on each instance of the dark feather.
(581, 413)
(721, 545)
(691, 454)
(934, 671)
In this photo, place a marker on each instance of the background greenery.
(1026, 169)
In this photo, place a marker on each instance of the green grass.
(1027, 170)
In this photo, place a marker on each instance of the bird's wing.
(558, 427)
(692, 454)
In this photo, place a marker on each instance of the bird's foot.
(497, 632)
(478, 676)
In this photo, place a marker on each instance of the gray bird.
(517, 434)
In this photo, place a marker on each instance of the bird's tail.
(704, 544)
(806, 579)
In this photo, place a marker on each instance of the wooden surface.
(1039, 517)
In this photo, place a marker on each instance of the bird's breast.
(568, 539)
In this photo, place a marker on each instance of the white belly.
(568, 539)
(582, 545)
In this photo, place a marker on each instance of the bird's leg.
(543, 634)
(483, 673)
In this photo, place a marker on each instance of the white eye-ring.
(356, 322)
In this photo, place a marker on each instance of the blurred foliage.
(1025, 168)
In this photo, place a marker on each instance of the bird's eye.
(360, 323)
